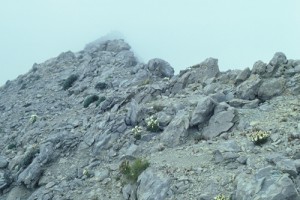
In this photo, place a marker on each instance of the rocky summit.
(99, 125)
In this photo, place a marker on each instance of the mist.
(184, 33)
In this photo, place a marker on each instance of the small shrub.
(101, 86)
(90, 100)
(259, 137)
(152, 124)
(100, 100)
(12, 146)
(132, 172)
(33, 119)
(221, 197)
(137, 130)
(158, 108)
(69, 81)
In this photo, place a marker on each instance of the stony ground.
(202, 148)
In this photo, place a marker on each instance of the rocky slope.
(67, 128)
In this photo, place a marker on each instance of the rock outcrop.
(73, 125)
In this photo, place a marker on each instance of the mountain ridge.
(67, 125)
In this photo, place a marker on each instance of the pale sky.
(182, 32)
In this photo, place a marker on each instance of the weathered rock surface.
(54, 147)
(160, 68)
(152, 186)
(267, 183)
(203, 111)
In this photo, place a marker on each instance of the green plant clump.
(33, 119)
(101, 86)
(90, 100)
(221, 197)
(132, 172)
(12, 146)
(69, 81)
(137, 130)
(152, 124)
(259, 137)
(100, 100)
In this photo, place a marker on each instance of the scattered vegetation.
(152, 124)
(101, 86)
(132, 171)
(259, 137)
(221, 197)
(137, 130)
(69, 81)
(100, 100)
(33, 119)
(90, 100)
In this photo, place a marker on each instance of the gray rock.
(5, 179)
(125, 59)
(243, 76)
(140, 77)
(31, 175)
(133, 114)
(207, 69)
(160, 68)
(117, 45)
(152, 185)
(18, 193)
(259, 68)
(129, 192)
(287, 166)
(248, 89)
(266, 184)
(241, 103)
(3, 162)
(180, 83)
(270, 88)
(203, 111)
(101, 143)
(229, 146)
(218, 123)
(46, 153)
(101, 175)
(176, 132)
(218, 97)
(279, 58)
(163, 119)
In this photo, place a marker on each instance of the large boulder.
(31, 175)
(152, 185)
(203, 111)
(5, 179)
(160, 68)
(259, 67)
(279, 58)
(267, 184)
(270, 88)
(207, 69)
(176, 131)
(248, 89)
(219, 123)
(3, 162)
(181, 82)
(243, 76)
